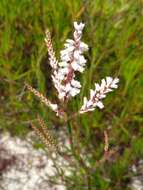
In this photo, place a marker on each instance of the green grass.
(114, 34)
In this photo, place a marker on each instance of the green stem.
(77, 156)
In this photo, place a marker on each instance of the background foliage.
(114, 34)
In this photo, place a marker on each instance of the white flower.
(75, 83)
(114, 83)
(76, 54)
(64, 72)
(77, 67)
(63, 64)
(83, 47)
(78, 27)
(72, 60)
(65, 56)
(74, 91)
(54, 107)
(61, 95)
(100, 105)
(108, 80)
(107, 85)
(68, 87)
(82, 60)
(97, 87)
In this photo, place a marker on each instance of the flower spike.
(52, 58)
(42, 98)
(45, 137)
(107, 85)
(72, 60)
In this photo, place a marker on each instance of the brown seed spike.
(46, 132)
(42, 98)
(52, 58)
(43, 138)
(40, 134)
(42, 124)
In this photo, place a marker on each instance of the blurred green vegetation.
(114, 33)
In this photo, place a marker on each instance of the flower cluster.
(72, 60)
(107, 85)
(63, 75)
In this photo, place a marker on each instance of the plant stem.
(77, 156)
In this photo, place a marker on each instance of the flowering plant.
(64, 79)
(64, 71)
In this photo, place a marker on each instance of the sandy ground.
(137, 179)
(23, 167)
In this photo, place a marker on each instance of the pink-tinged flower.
(107, 85)
(64, 71)
(72, 60)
